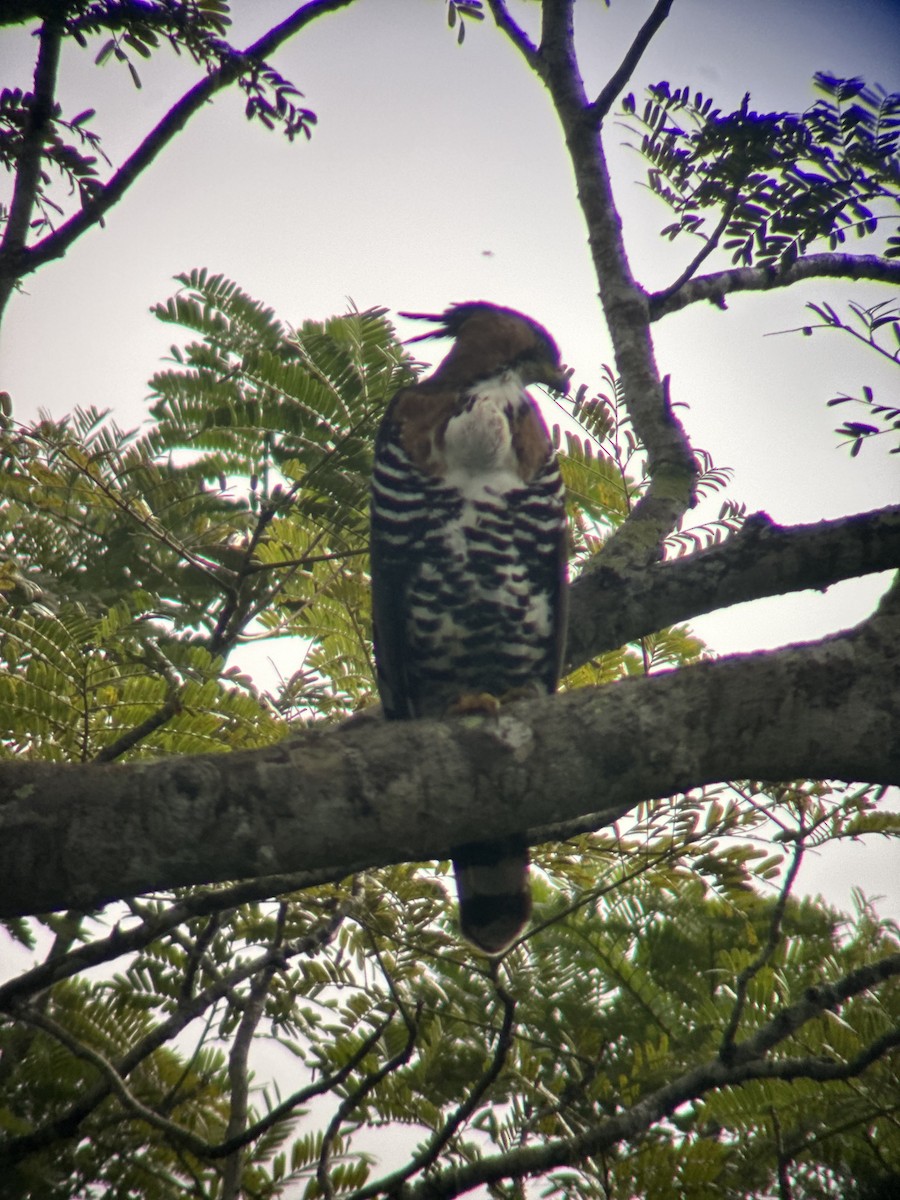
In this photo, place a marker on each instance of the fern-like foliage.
(133, 566)
(878, 328)
(767, 186)
(128, 35)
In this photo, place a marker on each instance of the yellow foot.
(474, 702)
(487, 702)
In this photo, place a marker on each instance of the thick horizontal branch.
(609, 607)
(374, 793)
(715, 287)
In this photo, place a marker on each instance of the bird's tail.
(494, 894)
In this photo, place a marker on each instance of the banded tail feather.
(468, 560)
(493, 892)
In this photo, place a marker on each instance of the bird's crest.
(488, 338)
(449, 323)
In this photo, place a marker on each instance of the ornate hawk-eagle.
(469, 559)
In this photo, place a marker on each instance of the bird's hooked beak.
(555, 378)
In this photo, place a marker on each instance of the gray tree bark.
(369, 793)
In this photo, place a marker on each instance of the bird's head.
(490, 339)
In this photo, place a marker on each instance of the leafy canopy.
(776, 183)
(136, 567)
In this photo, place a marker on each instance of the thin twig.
(238, 1060)
(68, 1122)
(390, 1184)
(727, 1045)
(355, 1098)
(623, 73)
(103, 199)
(308, 560)
(704, 252)
(177, 1133)
(155, 925)
(212, 570)
(513, 31)
(130, 739)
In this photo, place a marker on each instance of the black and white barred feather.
(468, 562)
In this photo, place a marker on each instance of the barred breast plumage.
(468, 559)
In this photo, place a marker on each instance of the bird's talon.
(475, 702)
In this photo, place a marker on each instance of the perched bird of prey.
(469, 559)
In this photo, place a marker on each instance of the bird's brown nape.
(489, 338)
(468, 560)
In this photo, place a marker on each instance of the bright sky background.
(437, 174)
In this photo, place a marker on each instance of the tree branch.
(156, 925)
(704, 252)
(22, 261)
(354, 1098)
(670, 461)
(114, 1081)
(827, 997)
(15, 1148)
(428, 1155)
(137, 733)
(527, 1161)
(38, 124)
(618, 81)
(752, 969)
(671, 465)
(239, 1060)
(717, 286)
(374, 793)
(514, 32)
(612, 605)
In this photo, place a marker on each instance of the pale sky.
(426, 156)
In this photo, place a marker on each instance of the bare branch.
(704, 252)
(611, 606)
(825, 998)
(27, 259)
(131, 737)
(238, 1063)
(623, 73)
(720, 284)
(670, 461)
(39, 121)
(114, 1082)
(355, 1098)
(67, 1123)
(156, 925)
(513, 31)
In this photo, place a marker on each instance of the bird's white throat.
(478, 441)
